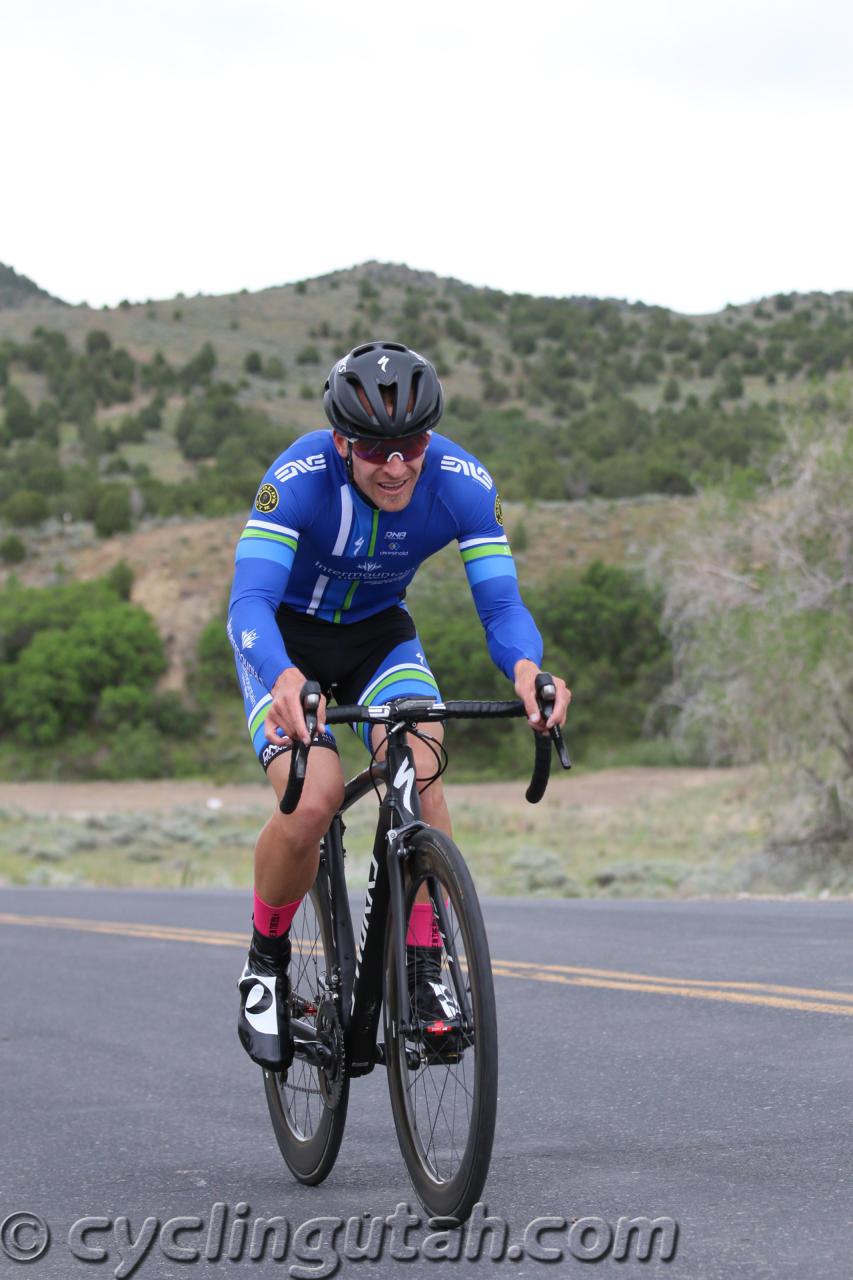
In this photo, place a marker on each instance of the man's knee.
(322, 795)
(432, 796)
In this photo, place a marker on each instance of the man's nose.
(395, 467)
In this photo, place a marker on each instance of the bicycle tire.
(307, 1129)
(447, 1187)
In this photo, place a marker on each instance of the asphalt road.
(687, 1060)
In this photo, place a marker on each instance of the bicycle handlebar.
(415, 710)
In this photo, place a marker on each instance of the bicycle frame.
(358, 970)
(356, 974)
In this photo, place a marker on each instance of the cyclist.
(340, 524)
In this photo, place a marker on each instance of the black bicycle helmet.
(353, 397)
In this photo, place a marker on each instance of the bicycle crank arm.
(413, 1058)
(307, 1046)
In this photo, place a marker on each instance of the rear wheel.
(308, 1105)
(444, 1093)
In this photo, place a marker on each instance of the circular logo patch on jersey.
(499, 515)
(267, 499)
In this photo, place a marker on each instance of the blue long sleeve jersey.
(315, 545)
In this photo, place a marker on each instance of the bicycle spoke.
(300, 1092)
(439, 1094)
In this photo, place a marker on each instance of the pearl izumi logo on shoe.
(267, 499)
(260, 1003)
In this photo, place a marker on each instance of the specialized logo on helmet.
(300, 466)
(383, 363)
(480, 474)
(499, 514)
(267, 499)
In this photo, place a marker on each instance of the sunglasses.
(378, 452)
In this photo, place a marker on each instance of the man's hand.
(285, 710)
(525, 673)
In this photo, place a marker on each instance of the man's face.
(388, 484)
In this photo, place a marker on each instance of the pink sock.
(274, 921)
(423, 927)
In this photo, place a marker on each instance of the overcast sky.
(683, 152)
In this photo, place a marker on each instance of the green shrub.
(214, 669)
(64, 646)
(19, 418)
(113, 511)
(12, 550)
(308, 355)
(98, 341)
(601, 632)
(25, 507)
(120, 578)
(123, 706)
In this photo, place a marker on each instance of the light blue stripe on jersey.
(264, 549)
(490, 567)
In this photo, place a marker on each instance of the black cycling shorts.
(370, 662)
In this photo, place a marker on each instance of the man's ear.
(341, 443)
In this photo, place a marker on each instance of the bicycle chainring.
(329, 1030)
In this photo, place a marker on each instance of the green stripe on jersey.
(371, 550)
(271, 537)
(425, 676)
(347, 600)
(259, 717)
(490, 549)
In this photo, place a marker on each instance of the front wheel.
(308, 1106)
(444, 1092)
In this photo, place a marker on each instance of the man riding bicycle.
(339, 526)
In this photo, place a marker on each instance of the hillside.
(175, 408)
(138, 434)
(19, 291)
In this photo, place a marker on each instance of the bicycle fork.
(398, 850)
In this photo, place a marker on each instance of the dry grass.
(616, 833)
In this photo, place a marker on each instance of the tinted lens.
(379, 451)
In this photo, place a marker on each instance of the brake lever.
(309, 696)
(546, 693)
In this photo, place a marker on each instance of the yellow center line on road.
(662, 988)
(162, 933)
(682, 982)
(810, 1000)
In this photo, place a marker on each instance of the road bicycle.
(442, 1078)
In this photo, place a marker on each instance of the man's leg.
(288, 848)
(286, 857)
